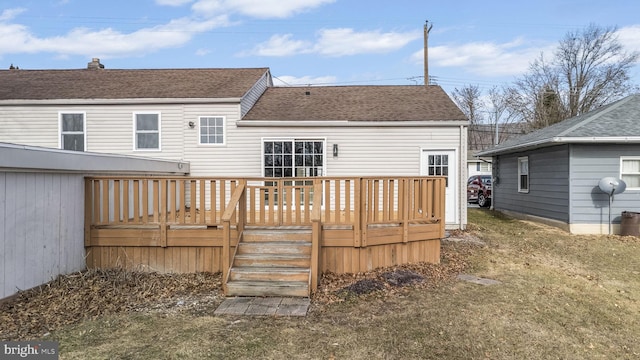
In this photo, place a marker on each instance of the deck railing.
(178, 213)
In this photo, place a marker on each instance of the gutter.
(564, 140)
(120, 101)
(348, 123)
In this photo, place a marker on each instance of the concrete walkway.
(269, 306)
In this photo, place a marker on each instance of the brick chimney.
(95, 64)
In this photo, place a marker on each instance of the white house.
(233, 122)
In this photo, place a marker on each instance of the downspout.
(462, 178)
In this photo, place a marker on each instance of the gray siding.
(589, 164)
(548, 194)
(254, 94)
(41, 228)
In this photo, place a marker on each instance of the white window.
(146, 131)
(293, 158)
(630, 171)
(523, 174)
(211, 129)
(438, 165)
(72, 131)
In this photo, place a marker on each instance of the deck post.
(406, 185)
(235, 206)
(316, 236)
(88, 207)
(360, 213)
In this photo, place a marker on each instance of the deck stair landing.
(272, 261)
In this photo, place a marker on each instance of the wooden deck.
(195, 224)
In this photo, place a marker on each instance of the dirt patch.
(394, 280)
(91, 294)
(94, 293)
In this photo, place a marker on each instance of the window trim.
(522, 159)
(135, 130)
(294, 139)
(224, 130)
(84, 127)
(622, 158)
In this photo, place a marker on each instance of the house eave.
(347, 123)
(563, 140)
(27, 102)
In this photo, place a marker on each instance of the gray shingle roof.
(356, 103)
(126, 84)
(619, 120)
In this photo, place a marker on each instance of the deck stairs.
(272, 261)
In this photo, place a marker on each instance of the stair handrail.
(316, 236)
(237, 198)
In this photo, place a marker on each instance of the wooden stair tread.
(270, 269)
(271, 262)
(272, 256)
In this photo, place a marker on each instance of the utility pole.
(496, 140)
(427, 29)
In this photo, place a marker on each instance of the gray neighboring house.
(552, 174)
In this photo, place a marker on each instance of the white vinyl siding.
(146, 131)
(211, 130)
(523, 174)
(72, 131)
(363, 151)
(630, 172)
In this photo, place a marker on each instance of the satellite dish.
(611, 186)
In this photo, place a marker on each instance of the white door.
(443, 163)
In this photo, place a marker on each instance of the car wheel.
(482, 200)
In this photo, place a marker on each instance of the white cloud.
(281, 45)
(341, 42)
(334, 43)
(287, 80)
(257, 8)
(486, 58)
(630, 37)
(10, 14)
(203, 52)
(105, 43)
(173, 2)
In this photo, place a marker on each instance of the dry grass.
(560, 297)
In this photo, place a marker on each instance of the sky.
(308, 42)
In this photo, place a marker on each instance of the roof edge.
(350, 123)
(17, 157)
(562, 140)
(118, 101)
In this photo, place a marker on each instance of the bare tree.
(589, 68)
(501, 117)
(468, 100)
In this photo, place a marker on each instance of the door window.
(438, 165)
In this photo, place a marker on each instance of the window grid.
(211, 130)
(293, 158)
(438, 165)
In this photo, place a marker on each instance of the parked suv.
(479, 190)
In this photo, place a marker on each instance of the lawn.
(560, 296)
